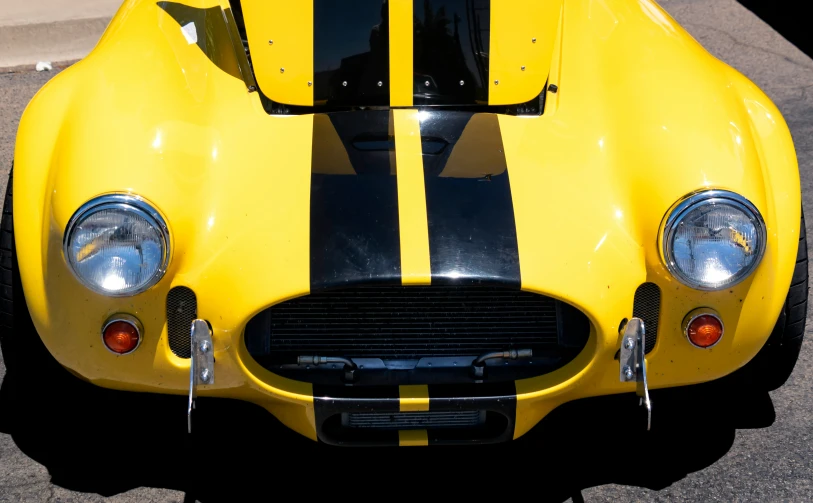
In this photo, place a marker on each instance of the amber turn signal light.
(704, 329)
(122, 334)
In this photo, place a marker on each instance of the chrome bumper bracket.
(632, 359)
(202, 365)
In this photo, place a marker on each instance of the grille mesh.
(414, 420)
(397, 322)
(647, 306)
(182, 309)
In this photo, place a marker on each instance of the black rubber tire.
(774, 363)
(8, 278)
(23, 350)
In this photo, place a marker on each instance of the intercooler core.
(415, 334)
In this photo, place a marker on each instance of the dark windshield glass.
(450, 52)
(351, 53)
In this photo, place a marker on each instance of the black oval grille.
(410, 322)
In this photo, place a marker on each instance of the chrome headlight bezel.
(692, 201)
(128, 203)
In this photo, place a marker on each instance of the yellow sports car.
(404, 222)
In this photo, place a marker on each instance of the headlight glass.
(117, 245)
(713, 240)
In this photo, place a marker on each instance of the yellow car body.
(642, 116)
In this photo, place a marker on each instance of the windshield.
(335, 54)
(352, 57)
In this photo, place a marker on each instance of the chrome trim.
(691, 201)
(130, 320)
(697, 313)
(632, 363)
(202, 366)
(127, 202)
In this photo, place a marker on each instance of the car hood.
(265, 207)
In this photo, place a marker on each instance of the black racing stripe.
(351, 53)
(472, 232)
(329, 402)
(440, 132)
(450, 51)
(354, 233)
(366, 137)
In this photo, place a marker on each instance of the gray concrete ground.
(713, 447)
(51, 30)
(52, 11)
(25, 45)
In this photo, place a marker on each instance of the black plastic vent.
(414, 420)
(647, 306)
(182, 309)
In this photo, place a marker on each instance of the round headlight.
(713, 240)
(117, 245)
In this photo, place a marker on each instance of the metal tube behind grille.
(414, 420)
(182, 309)
(647, 306)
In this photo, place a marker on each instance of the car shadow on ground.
(106, 442)
(787, 18)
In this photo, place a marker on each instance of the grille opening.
(182, 310)
(647, 306)
(490, 427)
(416, 334)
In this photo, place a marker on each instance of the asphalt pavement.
(87, 444)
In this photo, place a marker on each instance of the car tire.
(23, 350)
(774, 363)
